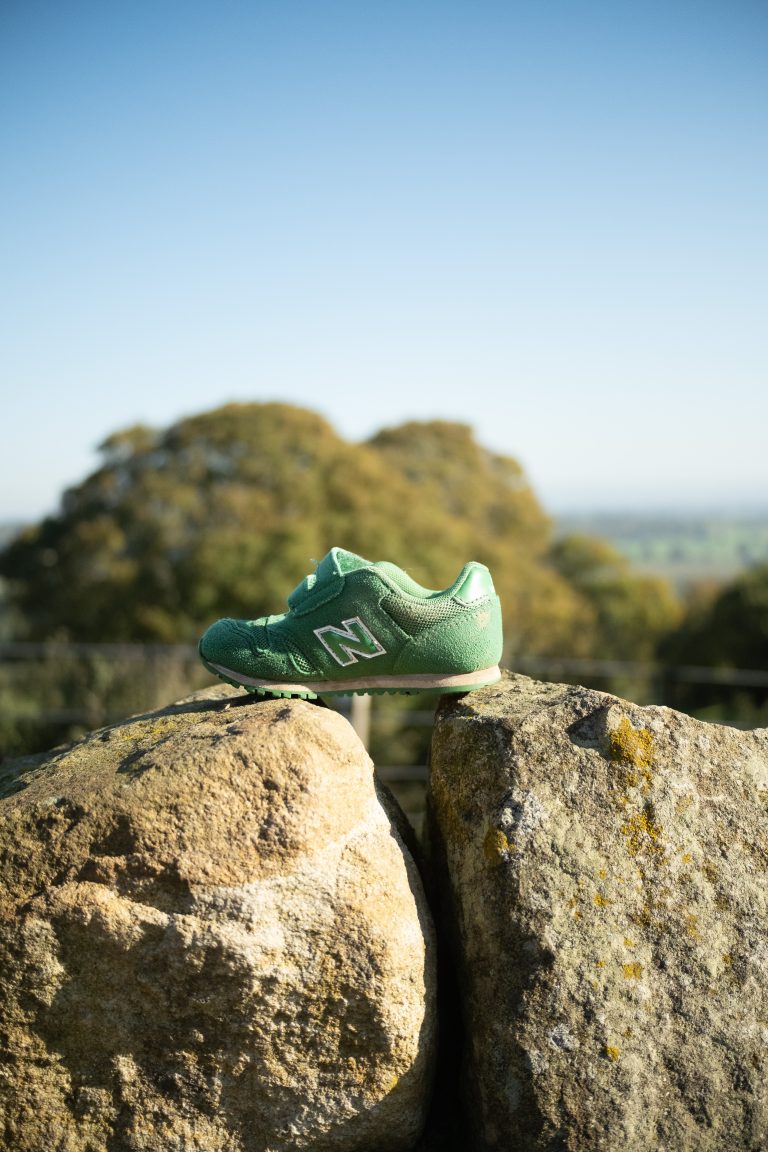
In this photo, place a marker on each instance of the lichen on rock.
(606, 870)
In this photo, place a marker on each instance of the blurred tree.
(627, 613)
(729, 629)
(726, 630)
(218, 515)
(475, 504)
(222, 513)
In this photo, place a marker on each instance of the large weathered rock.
(607, 867)
(211, 938)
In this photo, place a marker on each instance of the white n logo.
(347, 643)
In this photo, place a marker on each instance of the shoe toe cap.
(242, 646)
(227, 642)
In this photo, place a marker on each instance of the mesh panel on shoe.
(283, 647)
(254, 633)
(413, 616)
(298, 657)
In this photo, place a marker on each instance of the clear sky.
(549, 220)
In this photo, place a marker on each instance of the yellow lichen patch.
(628, 943)
(643, 832)
(628, 745)
(632, 971)
(692, 926)
(600, 964)
(686, 857)
(602, 901)
(603, 873)
(496, 846)
(612, 1052)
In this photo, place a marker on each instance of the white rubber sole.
(462, 682)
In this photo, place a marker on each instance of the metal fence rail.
(16, 650)
(144, 668)
(54, 691)
(651, 670)
(45, 650)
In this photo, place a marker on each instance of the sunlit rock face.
(212, 937)
(604, 870)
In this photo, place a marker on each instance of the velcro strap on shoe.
(311, 593)
(301, 591)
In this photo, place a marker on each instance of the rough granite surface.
(211, 938)
(605, 868)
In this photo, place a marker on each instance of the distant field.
(683, 548)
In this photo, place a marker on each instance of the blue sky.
(547, 220)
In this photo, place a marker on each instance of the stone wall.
(603, 873)
(214, 935)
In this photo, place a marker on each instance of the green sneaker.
(353, 626)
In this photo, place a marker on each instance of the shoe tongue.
(338, 562)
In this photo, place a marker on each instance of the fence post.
(360, 719)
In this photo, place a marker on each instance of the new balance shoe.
(354, 626)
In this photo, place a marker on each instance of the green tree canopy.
(727, 628)
(626, 612)
(222, 514)
(723, 629)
